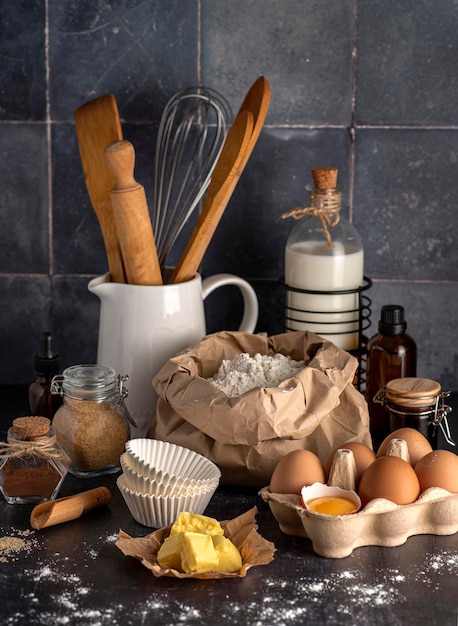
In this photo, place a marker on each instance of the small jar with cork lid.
(324, 261)
(92, 423)
(33, 464)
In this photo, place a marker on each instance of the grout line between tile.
(199, 42)
(354, 56)
(48, 142)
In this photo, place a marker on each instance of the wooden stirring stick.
(224, 179)
(97, 123)
(67, 509)
(132, 217)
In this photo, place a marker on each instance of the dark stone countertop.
(74, 574)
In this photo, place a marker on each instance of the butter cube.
(198, 554)
(229, 557)
(169, 554)
(195, 523)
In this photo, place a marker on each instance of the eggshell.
(389, 477)
(438, 469)
(295, 470)
(417, 444)
(362, 454)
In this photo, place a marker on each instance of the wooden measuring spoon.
(67, 509)
(97, 124)
(132, 217)
(226, 174)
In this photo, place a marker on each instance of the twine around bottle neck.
(44, 448)
(325, 205)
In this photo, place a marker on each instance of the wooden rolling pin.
(132, 217)
(67, 509)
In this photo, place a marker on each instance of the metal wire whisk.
(191, 134)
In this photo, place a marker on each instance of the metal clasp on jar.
(123, 392)
(440, 417)
(57, 385)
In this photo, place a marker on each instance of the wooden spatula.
(226, 174)
(133, 221)
(98, 124)
(257, 102)
(256, 105)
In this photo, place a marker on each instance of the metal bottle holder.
(361, 316)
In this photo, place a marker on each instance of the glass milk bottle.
(324, 262)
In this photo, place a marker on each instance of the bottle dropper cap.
(392, 320)
(47, 361)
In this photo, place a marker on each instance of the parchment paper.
(242, 531)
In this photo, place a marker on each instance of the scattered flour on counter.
(63, 594)
(238, 375)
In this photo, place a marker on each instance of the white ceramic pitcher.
(141, 327)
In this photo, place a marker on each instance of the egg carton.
(379, 523)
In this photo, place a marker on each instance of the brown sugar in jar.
(34, 465)
(91, 425)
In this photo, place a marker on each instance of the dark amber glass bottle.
(391, 353)
(47, 364)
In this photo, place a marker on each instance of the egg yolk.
(332, 506)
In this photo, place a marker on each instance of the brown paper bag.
(246, 436)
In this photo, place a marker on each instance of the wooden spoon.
(97, 124)
(67, 509)
(132, 217)
(256, 103)
(226, 174)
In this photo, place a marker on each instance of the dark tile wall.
(354, 85)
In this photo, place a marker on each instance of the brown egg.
(362, 454)
(295, 470)
(389, 477)
(438, 469)
(417, 443)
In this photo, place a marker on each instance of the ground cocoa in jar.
(92, 433)
(34, 465)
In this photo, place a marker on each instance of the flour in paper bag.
(242, 373)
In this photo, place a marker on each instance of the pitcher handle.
(250, 299)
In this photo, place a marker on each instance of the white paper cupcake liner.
(158, 511)
(169, 463)
(143, 484)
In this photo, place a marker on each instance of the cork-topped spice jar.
(92, 424)
(33, 465)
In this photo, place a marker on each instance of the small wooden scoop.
(97, 124)
(67, 509)
(132, 217)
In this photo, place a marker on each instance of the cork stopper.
(325, 177)
(31, 426)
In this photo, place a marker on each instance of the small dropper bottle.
(391, 354)
(47, 364)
